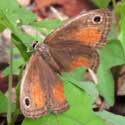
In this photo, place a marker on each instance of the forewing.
(70, 55)
(90, 29)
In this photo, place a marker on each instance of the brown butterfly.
(73, 45)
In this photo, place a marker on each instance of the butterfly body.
(71, 46)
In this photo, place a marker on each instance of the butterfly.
(70, 46)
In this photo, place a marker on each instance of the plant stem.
(114, 3)
(115, 20)
(9, 116)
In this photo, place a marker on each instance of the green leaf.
(12, 17)
(16, 67)
(21, 47)
(110, 56)
(4, 103)
(106, 83)
(2, 27)
(90, 88)
(112, 34)
(112, 118)
(24, 16)
(76, 78)
(18, 37)
(8, 23)
(15, 12)
(77, 74)
(101, 3)
(79, 113)
(47, 26)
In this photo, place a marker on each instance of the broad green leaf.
(6, 4)
(4, 103)
(90, 88)
(77, 74)
(112, 118)
(110, 56)
(106, 85)
(76, 78)
(47, 26)
(12, 16)
(16, 67)
(15, 12)
(18, 37)
(79, 113)
(1, 27)
(112, 34)
(13, 26)
(24, 16)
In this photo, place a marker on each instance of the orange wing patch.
(89, 35)
(37, 95)
(58, 92)
(78, 62)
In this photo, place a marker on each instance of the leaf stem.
(9, 115)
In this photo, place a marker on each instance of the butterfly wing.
(90, 29)
(33, 97)
(35, 94)
(57, 100)
(70, 55)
